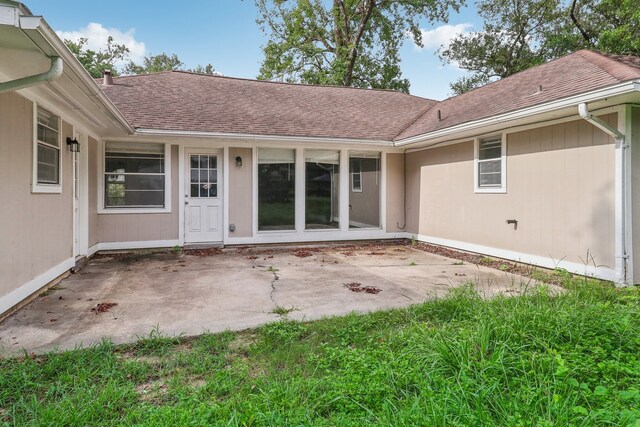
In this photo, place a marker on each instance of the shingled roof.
(178, 100)
(577, 73)
(184, 101)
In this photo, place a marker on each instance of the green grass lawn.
(535, 360)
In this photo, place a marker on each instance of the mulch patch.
(357, 287)
(498, 264)
(303, 253)
(203, 252)
(103, 307)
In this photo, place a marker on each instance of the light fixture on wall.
(74, 145)
(238, 161)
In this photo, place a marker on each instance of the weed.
(272, 269)
(282, 311)
(504, 267)
(414, 240)
(177, 249)
(486, 260)
(457, 263)
(413, 264)
(48, 292)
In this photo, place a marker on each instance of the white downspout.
(621, 215)
(54, 72)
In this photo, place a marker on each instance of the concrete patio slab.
(234, 289)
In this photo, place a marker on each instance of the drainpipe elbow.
(583, 110)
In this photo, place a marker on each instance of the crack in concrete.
(273, 286)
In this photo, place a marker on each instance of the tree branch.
(369, 5)
(584, 34)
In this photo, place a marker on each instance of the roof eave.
(261, 137)
(36, 28)
(435, 137)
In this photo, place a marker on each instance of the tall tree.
(164, 62)
(95, 62)
(344, 42)
(154, 64)
(519, 34)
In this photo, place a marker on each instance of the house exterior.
(542, 167)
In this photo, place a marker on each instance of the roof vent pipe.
(439, 115)
(54, 72)
(107, 78)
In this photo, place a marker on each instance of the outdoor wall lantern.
(238, 161)
(74, 145)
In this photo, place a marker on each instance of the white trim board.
(143, 244)
(18, 295)
(605, 273)
(315, 236)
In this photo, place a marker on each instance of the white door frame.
(185, 181)
(80, 226)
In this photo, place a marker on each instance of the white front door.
(203, 196)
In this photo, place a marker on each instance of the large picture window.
(322, 187)
(490, 164)
(134, 175)
(48, 148)
(276, 189)
(364, 197)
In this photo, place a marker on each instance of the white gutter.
(596, 95)
(258, 137)
(53, 73)
(622, 216)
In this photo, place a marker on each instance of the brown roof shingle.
(177, 100)
(184, 101)
(577, 73)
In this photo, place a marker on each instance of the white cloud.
(442, 35)
(97, 35)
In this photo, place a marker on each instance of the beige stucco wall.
(560, 188)
(395, 192)
(141, 227)
(36, 230)
(241, 192)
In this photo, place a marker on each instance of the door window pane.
(204, 176)
(364, 195)
(276, 189)
(322, 187)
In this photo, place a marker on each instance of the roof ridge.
(279, 83)
(518, 74)
(586, 54)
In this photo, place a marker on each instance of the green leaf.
(580, 410)
(600, 391)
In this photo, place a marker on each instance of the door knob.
(186, 202)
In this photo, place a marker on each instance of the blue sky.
(224, 33)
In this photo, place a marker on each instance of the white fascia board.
(255, 137)
(615, 90)
(36, 27)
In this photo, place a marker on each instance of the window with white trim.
(134, 175)
(356, 175)
(47, 148)
(490, 164)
